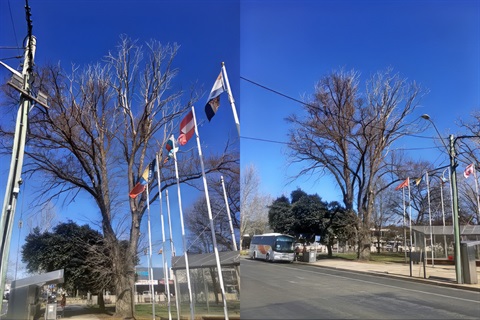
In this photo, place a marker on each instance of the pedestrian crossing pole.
(21, 82)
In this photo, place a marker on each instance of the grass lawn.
(144, 311)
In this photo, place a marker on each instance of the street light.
(453, 184)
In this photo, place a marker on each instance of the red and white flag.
(470, 169)
(187, 129)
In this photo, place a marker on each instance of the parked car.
(6, 294)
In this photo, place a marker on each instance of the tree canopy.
(66, 247)
(346, 133)
(105, 124)
(306, 216)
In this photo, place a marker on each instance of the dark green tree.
(306, 216)
(337, 223)
(66, 247)
(280, 216)
(308, 211)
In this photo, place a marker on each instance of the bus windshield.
(284, 244)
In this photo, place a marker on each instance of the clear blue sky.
(289, 45)
(285, 45)
(83, 31)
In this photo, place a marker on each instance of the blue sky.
(289, 45)
(284, 45)
(84, 31)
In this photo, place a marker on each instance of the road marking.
(385, 285)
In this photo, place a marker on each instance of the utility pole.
(456, 227)
(14, 178)
(20, 82)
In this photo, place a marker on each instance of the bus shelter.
(436, 244)
(204, 279)
(440, 239)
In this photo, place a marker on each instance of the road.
(295, 291)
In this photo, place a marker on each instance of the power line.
(13, 24)
(310, 105)
(10, 58)
(287, 144)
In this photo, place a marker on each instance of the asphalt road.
(294, 291)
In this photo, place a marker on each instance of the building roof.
(206, 260)
(448, 230)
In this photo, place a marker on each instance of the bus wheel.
(254, 255)
(267, 257)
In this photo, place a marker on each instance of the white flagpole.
(410, 221)
(228, 215)
(429, 218)
(404, 226)
(172, 247)
(451, 196)
(207, 198)
(172, 252)
(185, 248)
(164, 263)
(230, 97)
(476, 190)
(443, 214)
(150, 269)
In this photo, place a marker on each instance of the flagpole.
(429, 218)
(443, 214)
(185, 248)
(150, 268)
(212, 229)
(228, 215)
(451, 205)
(410, 222)
(172, 252)
(476, 190)
(172, 246)
(230, 97)
(164, 263)
(404, 226)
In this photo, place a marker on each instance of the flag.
(418, 180)
(469, 170)
(145, 178)
(187, 128)
(171, 148)
(213, 101)
(403, 184)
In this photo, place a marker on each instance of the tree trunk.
(124, 268)
(364, 243)
(214, 283)
(100, 300)
(378, 241)
(124, 306)
(329, 250)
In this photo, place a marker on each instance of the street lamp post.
(453, 186)
(456, 227)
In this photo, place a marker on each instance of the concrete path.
(76, 311)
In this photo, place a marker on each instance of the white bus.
(272, 247)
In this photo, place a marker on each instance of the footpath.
(443, 275)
